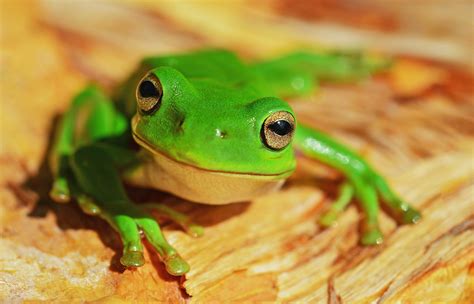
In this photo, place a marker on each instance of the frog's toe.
(181, 219)
(346, 192)
(88, 205)
(328, 218)
(195, 230)
(176, 265)
(132, 259)
(60, 191)
(372, 237)
(410, 216)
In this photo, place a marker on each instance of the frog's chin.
(200, 185)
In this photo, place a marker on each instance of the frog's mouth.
(143, 143)
(150, 148)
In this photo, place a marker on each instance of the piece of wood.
(419, 133)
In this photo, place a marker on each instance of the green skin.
(202, 92)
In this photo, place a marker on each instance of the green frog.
(211, 128)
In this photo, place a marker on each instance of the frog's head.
(212, 136)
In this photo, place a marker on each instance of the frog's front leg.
(362, 182)
(97, 177)
(91, 117)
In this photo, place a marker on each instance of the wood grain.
(414, 123)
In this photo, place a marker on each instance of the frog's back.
(221, 65)
(214, 64)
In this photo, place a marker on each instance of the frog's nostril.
(180, 124)
(220, 133)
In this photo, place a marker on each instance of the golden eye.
(277, 130)
(149, 93)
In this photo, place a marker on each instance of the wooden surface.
(415, 124)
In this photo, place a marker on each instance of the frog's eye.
(149, 93)
(277, 130)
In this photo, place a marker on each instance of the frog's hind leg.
(181, 219)
(97, 177)
(297, 74)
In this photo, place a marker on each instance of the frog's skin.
(212, 129)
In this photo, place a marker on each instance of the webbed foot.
(129, 219)
(132, 259)
(367, 187)
(175, 265)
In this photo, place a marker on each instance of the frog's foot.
(175, 264)
(181, 219)
(402, 212)
(367, 196)
(129, 219)
(131, 258)
(97, 176)
(410, 215)
(328, 218)
(371, 235)
(346, 192)
(60, 190)
(369, 187)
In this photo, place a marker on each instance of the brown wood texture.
(414, 123)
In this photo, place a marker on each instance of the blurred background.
(414, 123)
(439, 30)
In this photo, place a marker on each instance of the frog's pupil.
(148, 89)
(281, 127)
